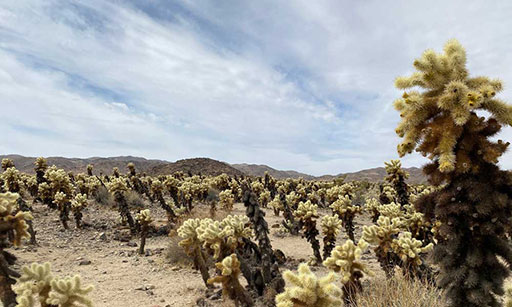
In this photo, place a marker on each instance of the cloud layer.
(295, 85)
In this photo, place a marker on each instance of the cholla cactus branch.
(305, 289)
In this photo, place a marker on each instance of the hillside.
(204, 166)
(416, 176)
(259, 170)
(77, 165)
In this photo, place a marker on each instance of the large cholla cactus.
(474, 206)
(397, 176)
(264, 198)
(307, 213)
(382, 236)
(38, 282)
(345, 260)
(226, 200)
(229, 269)
(13, 228)
(346, 210)
(331, 227)
(305, 289)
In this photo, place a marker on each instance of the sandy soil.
(122, 277)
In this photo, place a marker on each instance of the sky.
(302, 85)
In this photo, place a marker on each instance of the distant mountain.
(416, 176)
(259, 170)
(195, 166)
(204, 166)
(372, 174)
(77, 165)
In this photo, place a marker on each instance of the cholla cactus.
(293, 199)
(264, 198)
(89, 169)
(307, 213)
(257, 187)
(37, 280)
(397, 176)
(382, 236)
(77, 205)
(157, 188)
(305, 289)
(344, 208)
(40, 168)
(7, 163)
(331, 227)
(345, 261)
(229, 269)
(61, 200)
(192, 245)
(442, 123)
(409, 250)
(276, 205)
(240, 229)
(144, 219)
(12, 180)
(226, 200)
(115, 172)
(372, 207)
(387, 194)
(13, 228)
(117, 187)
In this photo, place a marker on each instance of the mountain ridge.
(205, 166)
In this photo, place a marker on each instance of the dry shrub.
(103, 197)
(176, 254)
(134, 200)
(400, 292)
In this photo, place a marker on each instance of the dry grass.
(399, 292)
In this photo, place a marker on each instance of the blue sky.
(303, 85)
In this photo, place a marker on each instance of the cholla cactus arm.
(331, 227)
(345, 260)
(34, 281)
(409, 249)
(231, 287)
(11, 221)
(213, 235)
(305, 289)
(144, 216)
(392, 210)
(68, 292)
(7, 163)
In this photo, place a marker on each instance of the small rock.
(84, 262)
(102, 236)
(131, 244)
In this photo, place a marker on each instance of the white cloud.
(296, 85)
